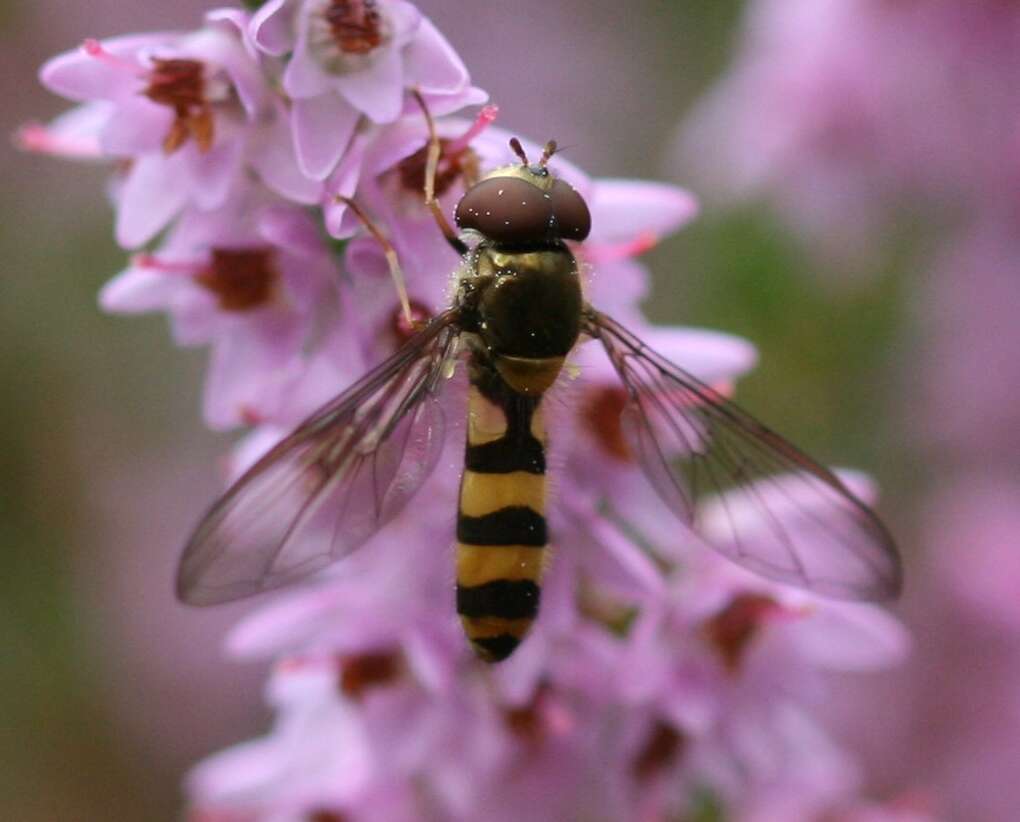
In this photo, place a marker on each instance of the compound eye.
(573, 219)
(507, 210)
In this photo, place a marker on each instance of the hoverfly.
(518, 311)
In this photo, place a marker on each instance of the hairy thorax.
(526, 311)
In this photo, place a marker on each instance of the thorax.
(522, 311)
(523, 302)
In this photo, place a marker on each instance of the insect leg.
(431, 167)
(391, 255)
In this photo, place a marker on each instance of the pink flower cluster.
(659, 679)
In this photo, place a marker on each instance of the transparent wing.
(326, 488)
(748, 492)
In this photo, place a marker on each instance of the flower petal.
(323, 127)
(282, 625)
(342, 183)
(711, 356)
(137, 290)
(78, 76)
(222, 46)
(621, 562)
(850, 637)
(214, 172)
(618, 288)
(273, 156)
(154, 191)
(431, 63)
(377, 91)
(291, 229)
(624, 209)
(445, 102)
(271, 28)
(136, 126)
(245, 362)
(304, 77)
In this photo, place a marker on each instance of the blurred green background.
(108, 690)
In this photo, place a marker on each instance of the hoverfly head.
(524, 204)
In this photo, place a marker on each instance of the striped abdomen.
(501, 530)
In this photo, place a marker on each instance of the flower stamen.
(38, 139)
(93, 48)
(614, 252)
(151, 261)
(486, 117)
(180, 84)
(356, 25)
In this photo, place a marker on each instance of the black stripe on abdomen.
(506, 455)
(513, 525)
(497, 648)
(504, 598)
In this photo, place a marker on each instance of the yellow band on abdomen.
(478, 564)
(482, 494)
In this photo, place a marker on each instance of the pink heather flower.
(188, 111)
(350, 58)
(245, 280)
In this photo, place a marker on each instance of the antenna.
(518, 149)
(550, 150)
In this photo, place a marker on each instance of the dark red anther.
(356, 25)
(733, 628)
(525, 722)
(361, 672)
(528, 722)
(601, 413)
(452, 166)
(662, 748)
(180, 85)
(242, 279)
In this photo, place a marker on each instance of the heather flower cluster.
(660, 681)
